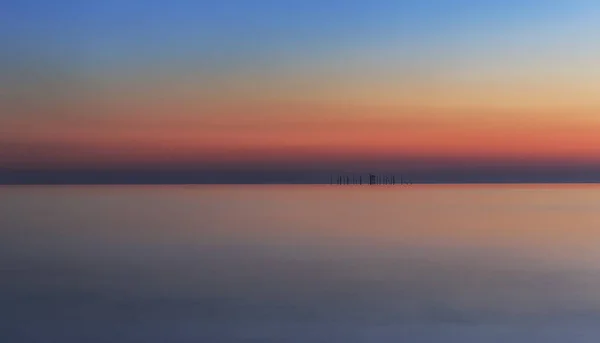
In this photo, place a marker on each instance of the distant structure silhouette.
(373, 179)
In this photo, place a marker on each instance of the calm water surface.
(511, 263)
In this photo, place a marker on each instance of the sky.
(479, 89)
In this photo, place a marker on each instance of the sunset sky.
(308, 85)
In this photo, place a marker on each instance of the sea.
(300, 263)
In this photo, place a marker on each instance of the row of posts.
(373, 180)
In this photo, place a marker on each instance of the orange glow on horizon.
(366, 134)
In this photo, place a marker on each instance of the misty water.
(488, 263)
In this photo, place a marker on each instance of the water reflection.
(301, 263)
